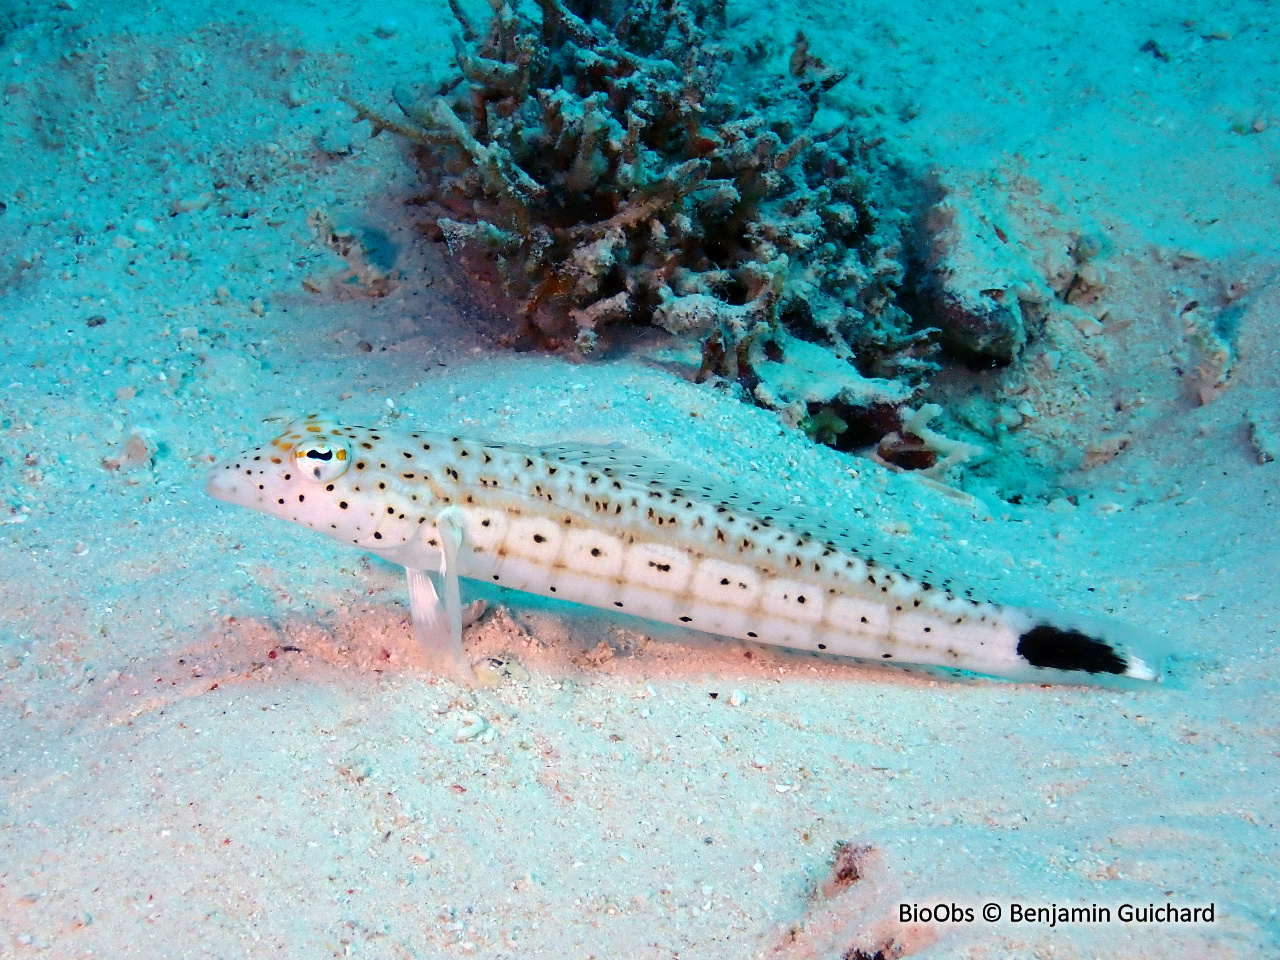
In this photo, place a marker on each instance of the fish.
(605, 527)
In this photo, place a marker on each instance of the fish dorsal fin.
(654, 472)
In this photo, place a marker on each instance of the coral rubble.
(606, 165)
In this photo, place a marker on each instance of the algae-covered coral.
(609, 163)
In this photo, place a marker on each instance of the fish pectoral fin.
(451, 525)
(438, 624)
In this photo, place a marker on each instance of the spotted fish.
(600, 526)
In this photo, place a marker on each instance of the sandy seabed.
(215, 740)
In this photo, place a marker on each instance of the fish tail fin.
(1057, 644)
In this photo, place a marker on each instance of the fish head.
(305, 476)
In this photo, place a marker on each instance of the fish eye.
(321, 460)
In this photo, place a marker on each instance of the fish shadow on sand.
(366, 639)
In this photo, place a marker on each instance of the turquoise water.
(216, 732)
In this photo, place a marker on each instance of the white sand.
(177, 780)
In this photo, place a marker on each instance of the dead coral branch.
(610, 166)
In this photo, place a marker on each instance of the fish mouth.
(222, 483)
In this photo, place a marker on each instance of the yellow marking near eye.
(321, 459)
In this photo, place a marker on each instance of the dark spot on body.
(1061, 649)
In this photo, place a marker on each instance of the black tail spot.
(1058, 649)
